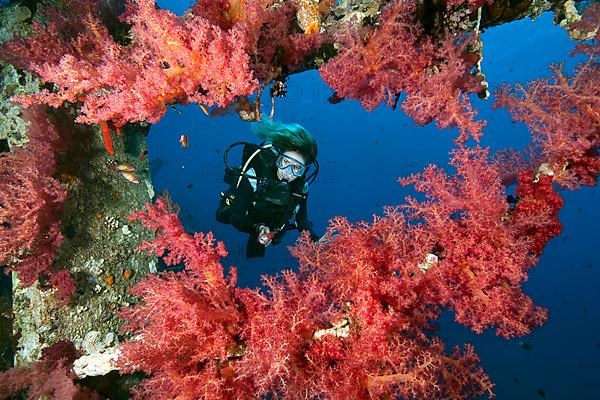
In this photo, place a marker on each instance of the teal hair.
(287, 137)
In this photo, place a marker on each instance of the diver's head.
(290, 165)
(288, 138)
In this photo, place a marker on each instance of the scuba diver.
(267, 194)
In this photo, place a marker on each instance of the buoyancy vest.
(274, 202)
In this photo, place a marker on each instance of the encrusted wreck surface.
(98, 245)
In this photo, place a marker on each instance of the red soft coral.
(271, 33)
(191, 342)
(352, 322)
(202, 56)
(535, 216)
(378, 64)
(170, 59)
(333, 331)
(31, 207)
(50, 377)
(563, 115)
(485, 257)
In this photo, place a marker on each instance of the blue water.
(363, 153)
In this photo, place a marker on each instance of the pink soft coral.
(50, 377)
(484, 256)
(202, 56)
(563, 115)
(31, 206)
(220, 342)
(170, 59)
(376, 65)
(193, 340)
(354, 322)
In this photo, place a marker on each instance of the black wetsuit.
(273, 203)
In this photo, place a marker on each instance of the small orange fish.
(183, 141)
(125, 167)
(130, 176)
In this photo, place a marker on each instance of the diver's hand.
(265, 236)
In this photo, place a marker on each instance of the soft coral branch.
(218, 341)
(170, 59)
(201, 327)
(486, 256)
(31, 202)
(209, 56)
(563, 116)
(50, 377)
(376, 65)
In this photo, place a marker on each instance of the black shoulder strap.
(251, 154)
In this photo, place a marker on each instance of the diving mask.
(289, 164)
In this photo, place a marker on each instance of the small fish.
(178, 111)
(526, 346)
(203, 108)
(191, 185)
(183, 141)
(130, 176)
(541, 393)
(124, 167)
(335, 99)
